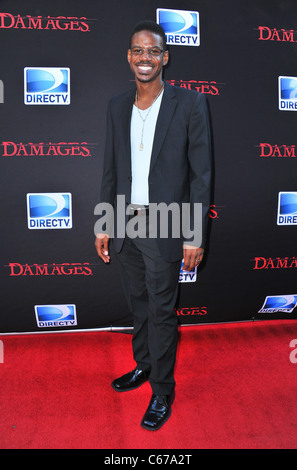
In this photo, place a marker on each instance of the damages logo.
(203, 86)
(189, 311)
(48, 23)
(274, 34)
(274, 150)
(46, 149)
(54, 269)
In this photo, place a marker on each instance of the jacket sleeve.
(108, 182)
(200, 162)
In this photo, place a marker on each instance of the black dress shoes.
(158, 412)
(130, 381)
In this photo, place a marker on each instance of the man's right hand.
(101, 244)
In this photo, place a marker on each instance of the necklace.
(145, 118)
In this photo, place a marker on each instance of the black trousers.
(151, 287)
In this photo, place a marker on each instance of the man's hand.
(192, 257)
(101, 245)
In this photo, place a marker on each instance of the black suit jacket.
(180, 168)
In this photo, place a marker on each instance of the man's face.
(147, 66)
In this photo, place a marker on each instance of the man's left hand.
(192, 257)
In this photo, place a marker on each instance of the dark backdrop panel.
(236, 66)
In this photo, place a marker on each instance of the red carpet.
(236, 389)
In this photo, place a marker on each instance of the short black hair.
(153, 27)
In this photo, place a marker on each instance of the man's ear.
(129, 55)
(166, 58)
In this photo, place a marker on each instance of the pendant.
(141, 146)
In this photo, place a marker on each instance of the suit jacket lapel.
(165, 115)
(125, 121)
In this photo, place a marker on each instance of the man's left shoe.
(158, 412)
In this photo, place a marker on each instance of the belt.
(142, 210)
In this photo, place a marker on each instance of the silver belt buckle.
(137, 210)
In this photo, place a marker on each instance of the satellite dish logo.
(279, 303)
(287, 208)
(287, 93)
(181, 26)
(49, 211)
(46, 85)
(55, 315)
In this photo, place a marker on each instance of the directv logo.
(55, 315)
(49, 211)
(181, 27)
(187, 276)
(287, 208)
(279, 303)
(287, 93)
(46, 85)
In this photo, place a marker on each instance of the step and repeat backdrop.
(61, 62)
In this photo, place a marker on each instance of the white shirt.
(141, 159)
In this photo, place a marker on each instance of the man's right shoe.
(130, 381)
(158, 412)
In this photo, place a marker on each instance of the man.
(157, 150)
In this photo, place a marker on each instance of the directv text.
(187, 40)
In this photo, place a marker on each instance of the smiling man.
(157, 151)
